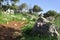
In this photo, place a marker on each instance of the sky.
(44, 4)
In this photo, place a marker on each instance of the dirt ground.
(15, 24)
(11, 30)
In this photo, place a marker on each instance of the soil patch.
(15, 24)
(11, 30)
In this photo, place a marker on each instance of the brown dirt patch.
(15, 24)
(11, 30)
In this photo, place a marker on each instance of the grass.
(4, 18)
(17, 17)
(57, 21)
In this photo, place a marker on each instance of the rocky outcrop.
(44, 27)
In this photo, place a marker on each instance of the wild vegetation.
(30, 17)
(26, 29)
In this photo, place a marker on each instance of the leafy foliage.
(22, 6)
(50, 13)
(14, 0)
(36, 8)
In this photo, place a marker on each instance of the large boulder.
(44, 27)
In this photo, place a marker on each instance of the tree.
(12, 1)
(7, 5)
(15, 0)
(1, 5)
(30, 11)
(22, 6)
(4, 7)
(50, 13)
(1, 1)
(36, 8)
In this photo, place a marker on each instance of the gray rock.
(43, 28)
